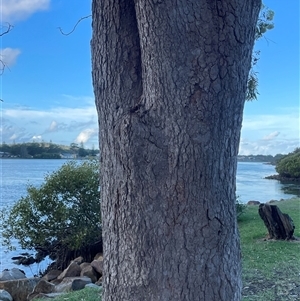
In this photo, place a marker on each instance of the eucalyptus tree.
(170, 81)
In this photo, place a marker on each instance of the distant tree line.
(261, 158)
(42, 150)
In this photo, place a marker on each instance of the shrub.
(289, 166)
(63, 213)
(240, 207)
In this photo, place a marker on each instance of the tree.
(59, 217)
(264, 23)
(289, 165)
(170, 81)
(5, 28)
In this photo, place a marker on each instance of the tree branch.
(66, 34)
(8, 27)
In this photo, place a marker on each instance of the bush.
(62, 214)
(289, 166)
(240, 207)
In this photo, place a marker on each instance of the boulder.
(272, 201)
(98, 266)
(253, 203)
(19, 289)
(5, 296)
(98, 256)
(95, 286)
(99, 282)
(51, 275)
(84, 264)
(12, 274)
(72, 284)
(79, 260)
(72, 270)
(89, 272)
(43, 287)
(45, 296)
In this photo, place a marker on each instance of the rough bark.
(279, 225)
(170, 80)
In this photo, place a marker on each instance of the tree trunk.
(279, 225)
(170, 82)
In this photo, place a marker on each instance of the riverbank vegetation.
(288, 167)
(43, 150)
(61, 218)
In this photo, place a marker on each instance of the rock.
(19, 289)
(72, 284)
(78, 260)
(51, 275)
(44, 287)
(99, 282)
(89, 272)
(98, 256)
(95, 286)
(272, 201)
(5, 296)
(45, 296)
(12, 274)
(84, 264)
(98, 266)
(253, 203)
(72, 270)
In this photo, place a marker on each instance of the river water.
(16, 174)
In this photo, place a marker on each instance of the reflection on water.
(252, 185)
(291, 189)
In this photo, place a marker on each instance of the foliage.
(264, 23)
(240, 207)
(289, 165)
(64, 212)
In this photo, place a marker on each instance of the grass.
(271, 269)
(86, 294)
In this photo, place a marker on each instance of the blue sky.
(47, 88)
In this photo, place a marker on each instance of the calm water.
(16, 174)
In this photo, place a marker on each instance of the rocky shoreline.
(282, 179)
(14, 285)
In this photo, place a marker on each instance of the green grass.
(86, 294)
(271, 269)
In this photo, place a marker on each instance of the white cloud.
(271, 136)
(8, 56)
(61, 125)
(53, 126)
(85, 135)
(14, 10)
(38, 137)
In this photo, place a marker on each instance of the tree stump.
(279, 225)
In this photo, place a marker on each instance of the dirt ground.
(283, 285)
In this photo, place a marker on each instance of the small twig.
(9, 28)
(66, 34)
